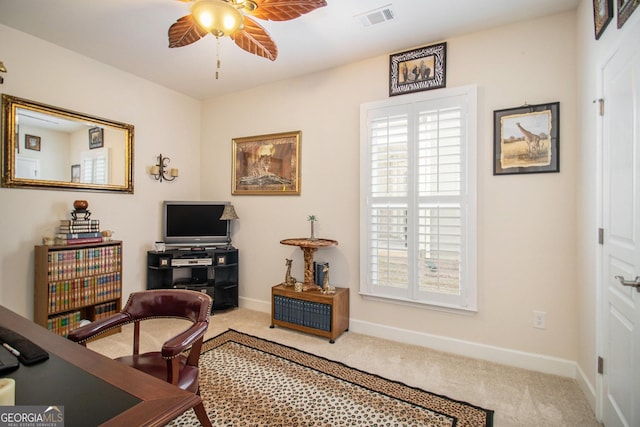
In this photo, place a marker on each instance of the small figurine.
(289, 280)
(299, 287)
(326, 287)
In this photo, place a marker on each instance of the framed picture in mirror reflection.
(32, 142)
(96, 137)
(75, 173)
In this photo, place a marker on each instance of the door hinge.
(600, 365)
(600, 102)
(601, 236)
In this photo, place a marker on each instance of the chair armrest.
(182, 341)
(98, 327)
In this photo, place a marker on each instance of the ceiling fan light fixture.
(217, 16)
(246, 5)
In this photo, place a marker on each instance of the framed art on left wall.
(266, 164)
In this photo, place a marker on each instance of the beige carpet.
(518, 397)
(249, 381)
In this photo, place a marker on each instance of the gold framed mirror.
(50, 147)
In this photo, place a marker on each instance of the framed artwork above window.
(418, 69)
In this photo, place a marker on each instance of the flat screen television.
(194, 224)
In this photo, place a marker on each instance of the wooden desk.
(139, 399)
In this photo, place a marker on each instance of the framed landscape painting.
(527, 139)
(266, 164)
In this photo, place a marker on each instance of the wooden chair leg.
(201, 413)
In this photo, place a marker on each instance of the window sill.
(424, 305)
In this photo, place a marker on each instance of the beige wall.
(164, 122)
(526, 223)
(531, 256)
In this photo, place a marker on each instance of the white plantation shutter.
(94, 167)
(418, 198)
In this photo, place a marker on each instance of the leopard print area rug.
(249, 381)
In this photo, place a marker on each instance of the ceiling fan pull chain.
(217, 58)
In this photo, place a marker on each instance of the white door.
(621, 246)
(27, 167)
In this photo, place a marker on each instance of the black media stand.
(210, 270)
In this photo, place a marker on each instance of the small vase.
(80, 205)
(312, 237)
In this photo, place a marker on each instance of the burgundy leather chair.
(169, 364)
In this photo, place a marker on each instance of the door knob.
(633, 283)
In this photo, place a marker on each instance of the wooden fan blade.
(254, 39)
(285, 10)
(185, 31)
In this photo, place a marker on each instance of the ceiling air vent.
(376, 16)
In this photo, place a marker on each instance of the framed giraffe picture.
(527, 139)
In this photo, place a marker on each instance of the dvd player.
(188, 262)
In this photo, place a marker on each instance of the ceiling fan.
(231, 18)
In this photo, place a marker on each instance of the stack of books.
(64, 323)
(106, 309)
(78, 231)
(299, 312)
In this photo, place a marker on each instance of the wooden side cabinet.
(75, 282)
(311, 311)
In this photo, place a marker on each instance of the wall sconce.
(229, 213)
(161, 170)
(3, 69)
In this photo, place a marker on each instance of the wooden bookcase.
(75, 282)
(311, 311)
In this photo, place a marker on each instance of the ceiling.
(132, 35)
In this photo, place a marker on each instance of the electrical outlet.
(539, 319)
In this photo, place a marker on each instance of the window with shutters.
(94, 167)
(418, 201)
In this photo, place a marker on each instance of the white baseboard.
(255, 304)
(587, 389)
(519, 359)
